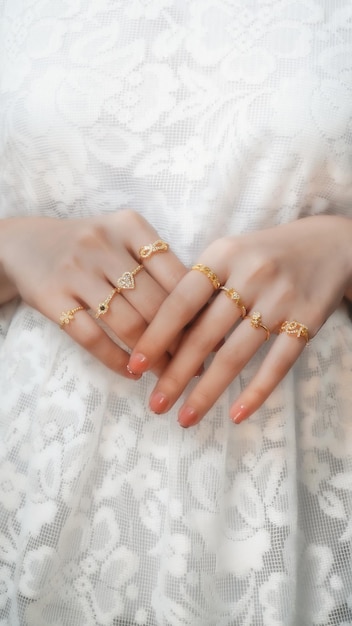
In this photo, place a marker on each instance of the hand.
(61, 265)
(298, 271)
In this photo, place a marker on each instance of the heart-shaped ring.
(126, 281)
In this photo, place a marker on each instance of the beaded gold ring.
(67, 316)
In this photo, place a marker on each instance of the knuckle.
(178, 308)
(262, 267)
(201, 341)
(172, 383)
(68, 263)
(257, 393)
(285, 296)
(131, 331)
(228, 361)
(87, 239)
(203, 398)
(91, 338)
(134, 219)
(91, 235)
(288, 294)
(223, 248)
(152, 304)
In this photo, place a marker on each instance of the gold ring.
(67, 316)
(256, 322)
(153, 248)
(233, 295)
(126, 281)
(295, 329)
(209, 274)
(103, 307)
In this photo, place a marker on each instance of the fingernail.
(158, 402)
(134, 374)
(239, 413)
(187, 416)
(138, 363)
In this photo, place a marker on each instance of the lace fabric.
(208, 117)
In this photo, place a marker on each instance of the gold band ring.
(126, 281)
(103, 307)
(153, 248)
(256, 322)
(233, 295)
(209, 274)
(67, 316)
(295, 329)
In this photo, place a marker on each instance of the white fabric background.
(209, 117)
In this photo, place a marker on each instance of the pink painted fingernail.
(138, 363)
(239, 413)
(187, 416)
(133, 374)
(158, 402)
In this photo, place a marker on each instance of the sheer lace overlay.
(208, 117)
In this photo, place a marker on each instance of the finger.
(204, 335)
(134, 284)
(127, 325)
(239, 348)
(116, 313)
(160, 262)
(223, 370)
(182, 305)
(165, 267)
(279, 360)
(84, 330)
(246, 339)
(138, 287)
(103, 299)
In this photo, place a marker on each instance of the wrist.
(8, 289)
(348, 231)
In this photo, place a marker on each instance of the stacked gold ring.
(256, 322)
(153, 248)
(209, 274)
(125, 281)
(295, 329)
(233, 295)
(103, 307)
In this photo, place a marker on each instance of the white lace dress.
(208, 117)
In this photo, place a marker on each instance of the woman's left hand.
(297, 272)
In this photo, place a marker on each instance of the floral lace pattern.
(209, 117)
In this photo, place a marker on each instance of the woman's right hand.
(57, 265)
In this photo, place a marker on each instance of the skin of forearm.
(348, 292)
(8, 289)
